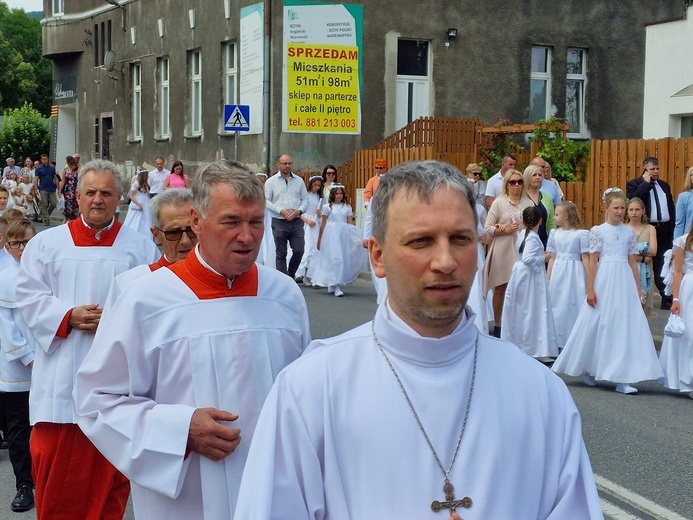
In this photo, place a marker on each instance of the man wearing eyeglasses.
(186, 361)
(287, 199)
(372, 184)
(63, 281)
(171, 230)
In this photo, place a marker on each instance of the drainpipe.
(266, 86)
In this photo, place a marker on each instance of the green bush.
(567, 157)
(24, 133)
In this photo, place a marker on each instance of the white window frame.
(58, 7)
(164, 71)
(196, 92)
(136, 76)
(229, 69)
(581, 79)
(543, 76)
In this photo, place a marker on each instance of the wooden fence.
(613, 163)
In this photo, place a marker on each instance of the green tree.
(31, 73)
(24, 133)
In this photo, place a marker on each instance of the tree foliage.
(568, 158)
(24, 133)
(25, 75)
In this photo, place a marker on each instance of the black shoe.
(666, 305)
(496, 332)
(23, 500)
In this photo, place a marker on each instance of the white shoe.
(330, 289)
(306, 281)
(690, 394)
(338, 292)
(588, 379)
(626, 389)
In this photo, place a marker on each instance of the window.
(686, 126)
(164, 125)
(58, 7)
(576, 81)
(136, 75)
(412, 58)
(195, 65)
(230, 73)
(540, 84)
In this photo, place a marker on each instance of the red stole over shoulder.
(161, 262)
(83, 236)
(208, 285)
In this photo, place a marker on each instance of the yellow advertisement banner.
(323, 88)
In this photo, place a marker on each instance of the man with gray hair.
(477, 424)
(171, 230)
(62, 285)
(167, 397)
(11, 167)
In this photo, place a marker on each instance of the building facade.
(134, 79)
(668, 99)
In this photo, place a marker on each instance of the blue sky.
(27, 5)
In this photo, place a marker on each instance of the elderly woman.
(503, 222)
(684, 207)
(546, 170)
(474, 175)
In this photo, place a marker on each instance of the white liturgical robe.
(62, 268)
(337, 440)
(187, 342)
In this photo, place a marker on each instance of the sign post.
(236, 119)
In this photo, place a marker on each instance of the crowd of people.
(205, 343)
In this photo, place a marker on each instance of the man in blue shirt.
(45, 182)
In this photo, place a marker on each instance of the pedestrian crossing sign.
(237, 118)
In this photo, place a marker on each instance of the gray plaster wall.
(484, 73)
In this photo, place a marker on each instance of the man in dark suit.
(659, 208)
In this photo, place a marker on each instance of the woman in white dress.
(676, 356)
(341, 256)
(311, 228)
(569, 246)
(527, 317)
(267, 254)
(139, 217)
(611, 339)
(477, 298)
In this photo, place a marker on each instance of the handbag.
(675, 327)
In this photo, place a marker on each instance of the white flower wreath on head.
(335, 186)
(315, 178)
(260, 174)
(610, 190)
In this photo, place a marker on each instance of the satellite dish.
(109, 61)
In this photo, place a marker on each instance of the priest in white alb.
(173, 395)
(171, 230)
(62, 284)
(416, 415)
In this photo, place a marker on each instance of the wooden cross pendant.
(450, 502)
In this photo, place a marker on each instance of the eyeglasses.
(475, 173)
(16, 244)
(330, 173)
(379, 167)
(176, 234)
(516, 182)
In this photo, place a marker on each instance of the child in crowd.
(341, 256)
(567, 272)
(646, 245)
(4, 198)
(19, 200)
(611, 339)
(527, 319)
(311, 228)
(17, 349)
(139, 217)
(676, 356)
